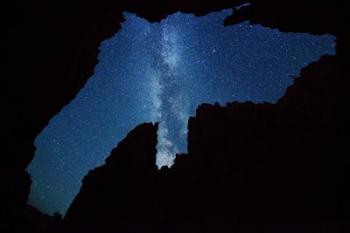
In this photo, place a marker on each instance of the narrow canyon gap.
(161, 72)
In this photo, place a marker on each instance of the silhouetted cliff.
(119, 195)
(37, 222)
(51, 48)
(278, 164)
(249, 168)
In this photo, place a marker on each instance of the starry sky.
(161, 72)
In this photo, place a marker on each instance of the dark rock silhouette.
(122, 190)
(37, 222)
(249, 168)
(51, 51)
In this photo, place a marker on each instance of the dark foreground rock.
(249, 168)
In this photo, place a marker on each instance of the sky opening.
(161, 72)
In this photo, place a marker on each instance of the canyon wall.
(50, 51)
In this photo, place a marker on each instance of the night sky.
(162, 72)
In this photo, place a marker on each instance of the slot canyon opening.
(161, 72)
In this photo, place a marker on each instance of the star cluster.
(162, 72)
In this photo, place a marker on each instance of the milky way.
(173, 104)
(160, 73)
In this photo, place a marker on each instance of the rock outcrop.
(119, 195)
(249, 168)
(37, 222)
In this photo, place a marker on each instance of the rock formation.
(51, 51)
(122, 190)
(249, 168)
